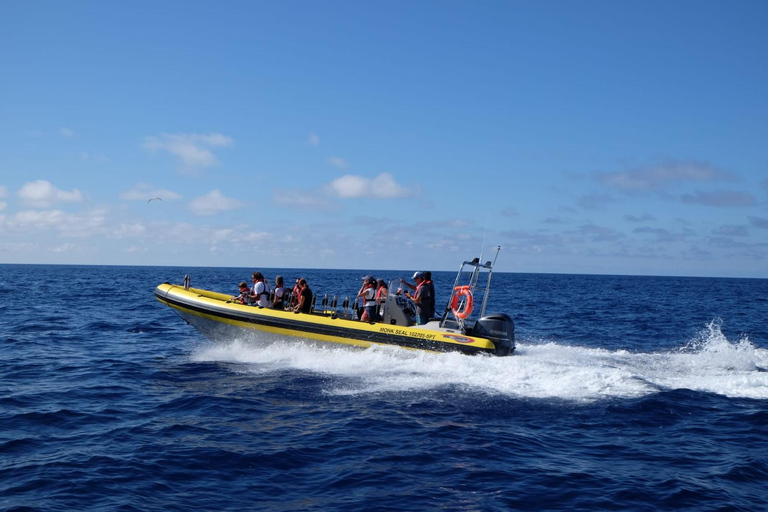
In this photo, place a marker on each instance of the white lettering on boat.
(404, 332)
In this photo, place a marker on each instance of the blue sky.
(582, 137)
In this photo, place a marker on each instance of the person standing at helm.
(260, 291)
(422, 298)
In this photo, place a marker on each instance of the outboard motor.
(500, 329)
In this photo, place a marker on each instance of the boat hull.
(219, 319)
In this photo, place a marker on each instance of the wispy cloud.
(659, 175)
(597, 233)
(338, 162)
(382, 186)
(67, 132)
(509, 212)
(720, 198)
(212, 203)
(193, 149)
(728, 230)
(42, 194)
(65, 248)
(664, 235)
(145, 192)
(639, 218)
(302, 199)
(554, 221)
(595, 201)
(758, 222)
(313, 140)
(76, 225)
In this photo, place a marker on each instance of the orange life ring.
(462, 293)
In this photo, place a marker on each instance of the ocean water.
(625, 393)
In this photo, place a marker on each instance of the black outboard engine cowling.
(500, 329)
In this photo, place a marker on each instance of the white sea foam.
(709, 363)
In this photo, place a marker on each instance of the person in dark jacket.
(305, 298)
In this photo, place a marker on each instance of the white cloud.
(64, 248)
(192, 148)
(80, 225)
(382, 186)
(145, 192)
(338, 162)
(43, 194)
(18, 247)
(128, 230)
(3, 191)
(67, 132)
(3, 205)
(314, 140)
(212, 203)
(38, 219)
(86, 224)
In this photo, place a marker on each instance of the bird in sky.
(155, 199)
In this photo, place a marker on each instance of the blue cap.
(418, 275)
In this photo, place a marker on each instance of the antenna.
(485, 230)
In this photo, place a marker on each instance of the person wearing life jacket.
(243, 297)
(368, 295)
(305, 298)
(422, 297)
(260, 292)
(382, 290)
(295, 293)
(279, 294)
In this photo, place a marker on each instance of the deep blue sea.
(625, 393)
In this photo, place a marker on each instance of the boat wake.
(709, 363)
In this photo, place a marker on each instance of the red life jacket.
(364, 295)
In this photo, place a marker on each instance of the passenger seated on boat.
(367, 294)
(279, 293)
(305, 298)
(243, 297)
(260, 292)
